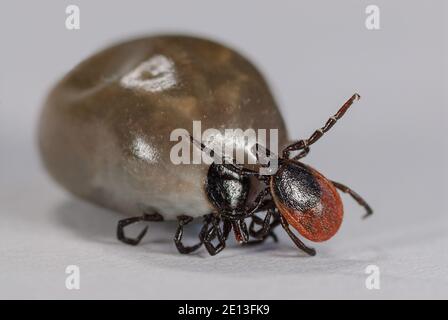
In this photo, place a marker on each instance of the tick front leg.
(181, 222)
(355, 196)
(297, 241)
(125, 222)
(304, 144)
(244, 172)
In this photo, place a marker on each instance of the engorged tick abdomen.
(104, 133)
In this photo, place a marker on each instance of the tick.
(104, 135)
(296, 195)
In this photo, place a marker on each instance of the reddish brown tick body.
(316, 220)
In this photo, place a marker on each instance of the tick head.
(307, 200)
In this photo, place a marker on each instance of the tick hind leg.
(122, 224)
(355, 196)
(297, 241)
(181, 222)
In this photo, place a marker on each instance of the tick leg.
(208, 234)
(240, 230)
(227, 227)
(182, 221)
(230, 164)
(125, 222)
(266, 226)
(242, 171)
(303, 145)
(259, 201)
(355, 196)
(297, 241)
(226, 162)
(264, 158)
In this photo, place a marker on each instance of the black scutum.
(296, 187)
(225, 189)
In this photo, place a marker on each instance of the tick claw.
(142, 234)
(136, 241)
(368, 214)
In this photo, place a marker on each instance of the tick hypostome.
(104, 135)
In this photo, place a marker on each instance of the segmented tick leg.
(211, 231)
(297, 241)
(303, 145)
(240, 230)
(266, 225)
(266, 229)
(182, 221)
(227, 227)
(259, 201)
(226, 162)
(125, 222)
(355, 196)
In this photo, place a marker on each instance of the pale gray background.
(315, 54)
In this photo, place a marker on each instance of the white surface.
(315, 54)
(51, 230)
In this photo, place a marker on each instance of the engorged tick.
(105, 132)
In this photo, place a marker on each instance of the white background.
(391, 148)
